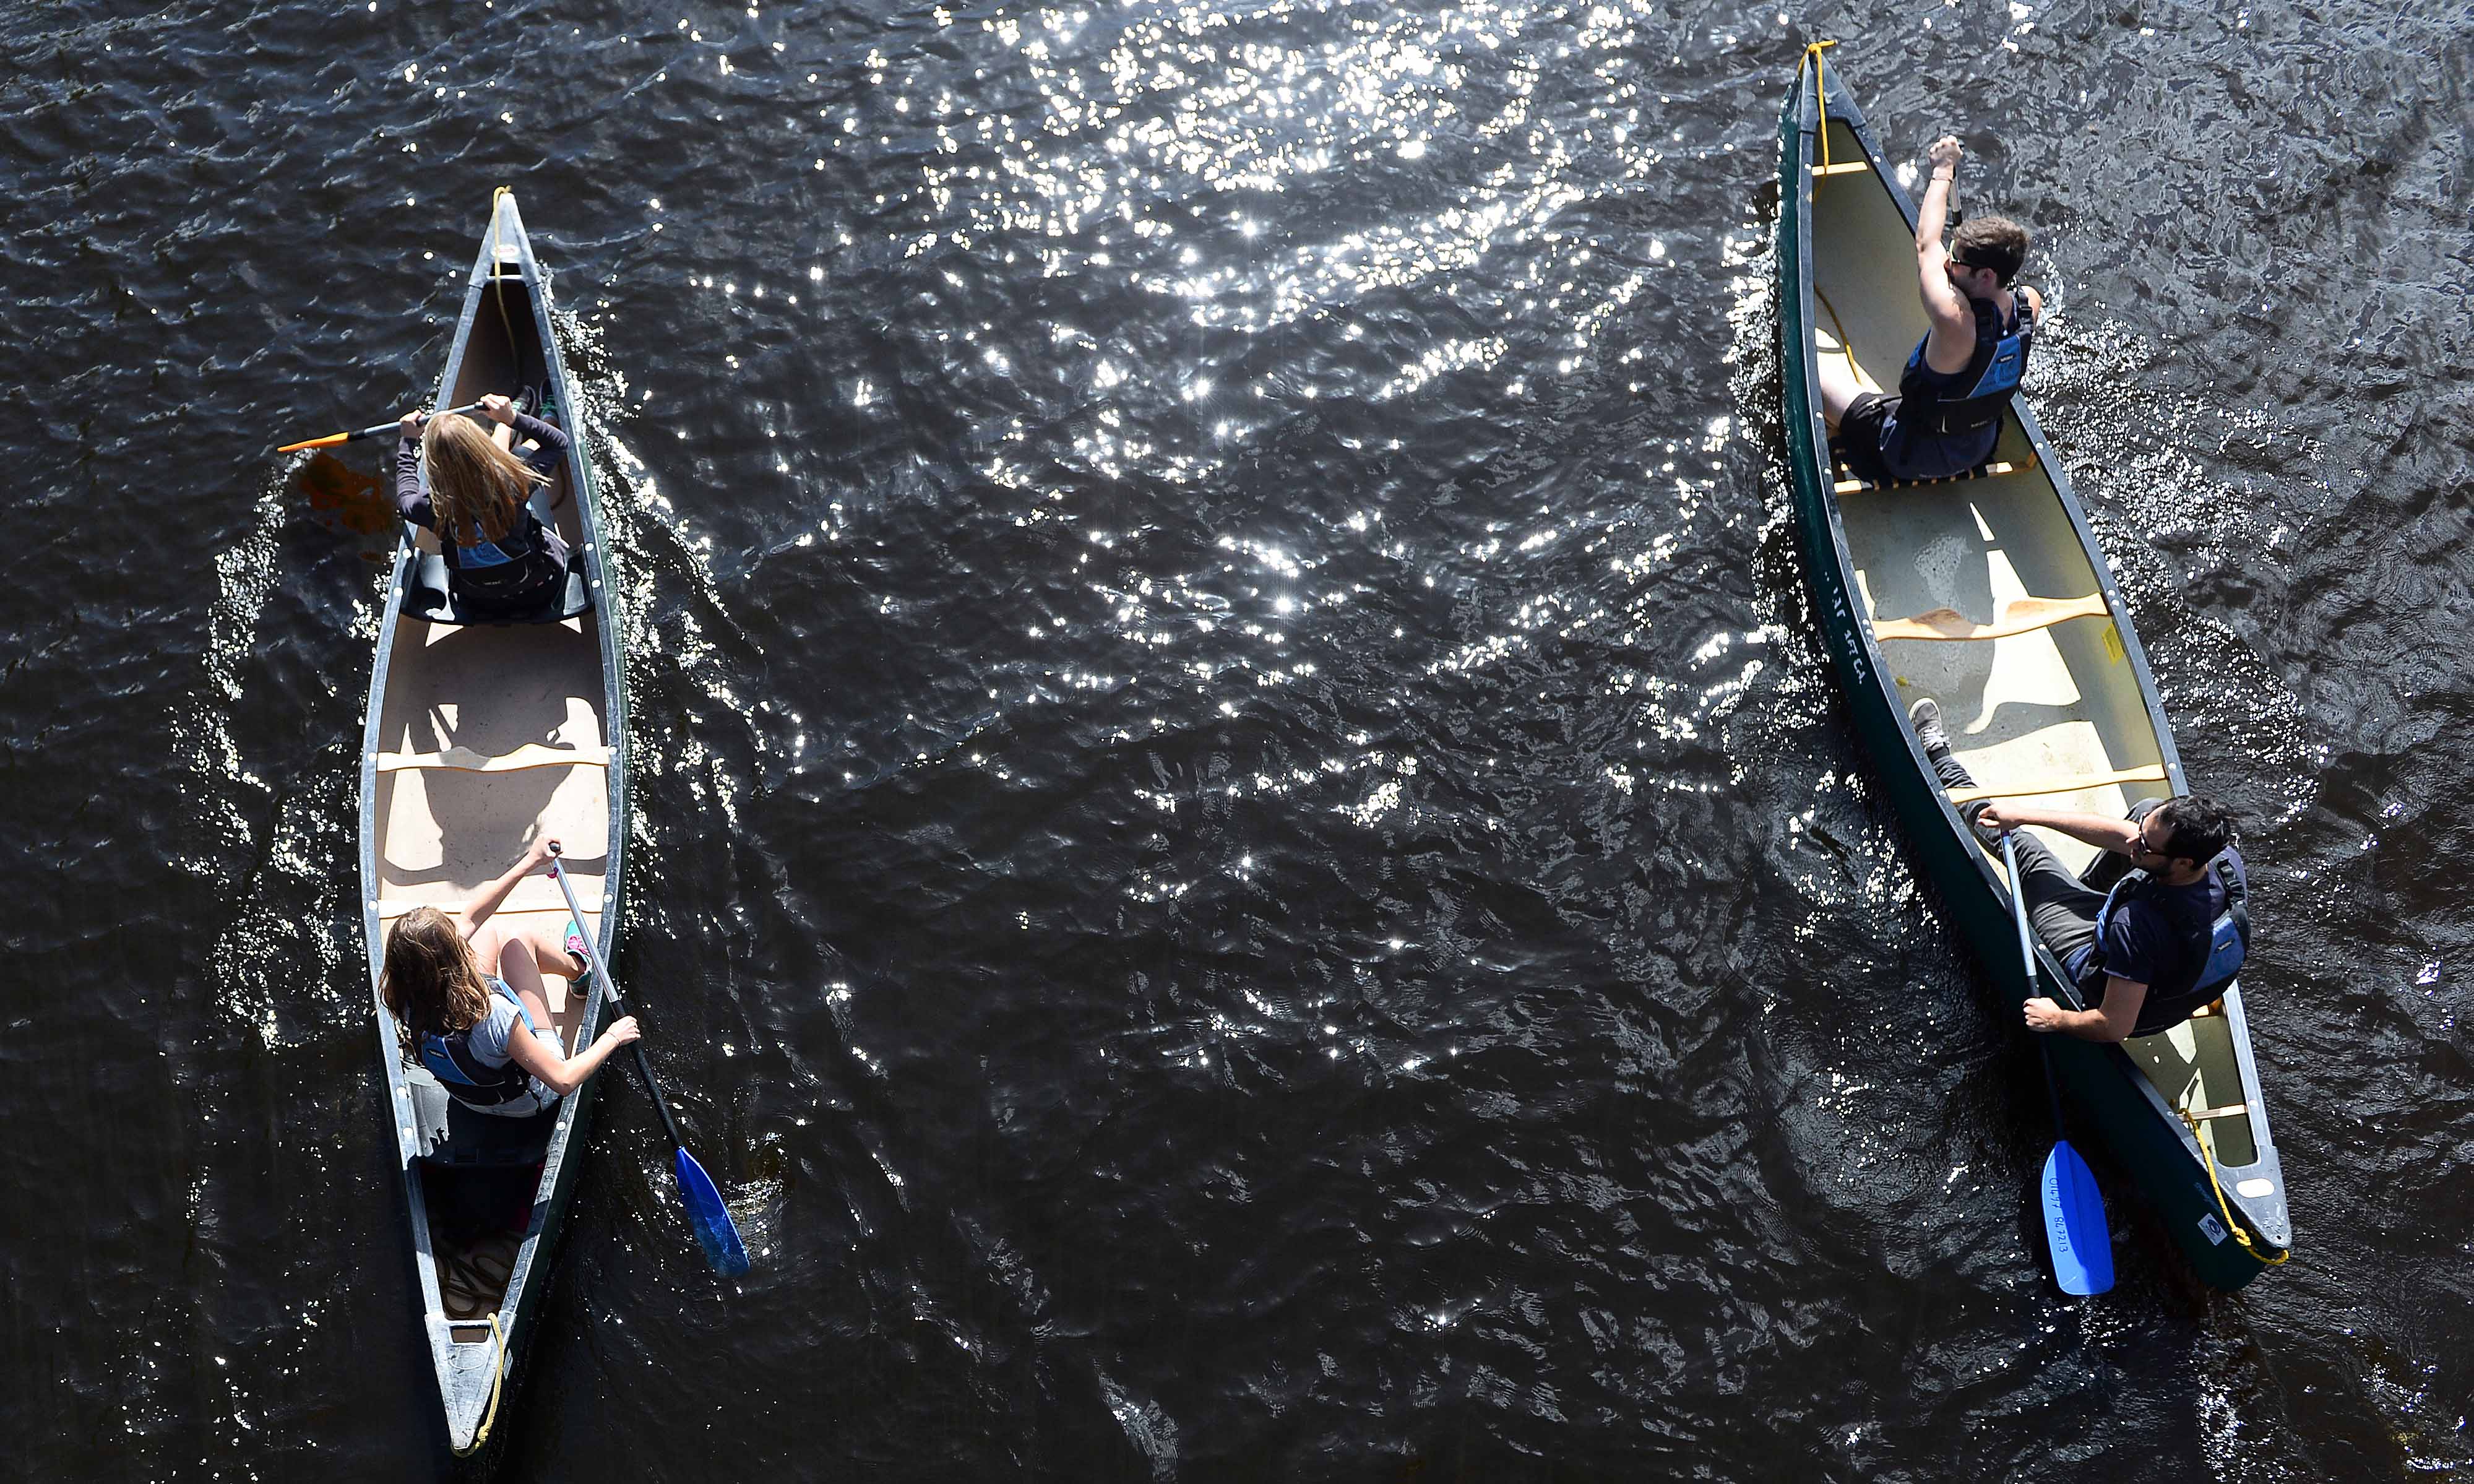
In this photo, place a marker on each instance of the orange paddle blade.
(328, 442)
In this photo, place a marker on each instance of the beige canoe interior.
(1981, 598)
(493, 736)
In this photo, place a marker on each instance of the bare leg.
(1838, 388)
(521, 970)
(540, 941)
(548, 949)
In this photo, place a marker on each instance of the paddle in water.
(715, 1230)
(374, 430)
(2075, 1228)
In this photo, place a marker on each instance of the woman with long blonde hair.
(460, 995)
(500, 557)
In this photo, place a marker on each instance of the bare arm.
(2105, 834)
(563, 1075)
(1932, 217)
(1952, 338)
(477, 911)
(2111, 1021)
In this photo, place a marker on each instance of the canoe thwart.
(2026, 616)
(2154, 772)
(2229, 1110)
(1849, 167)
(529, 755)
(1982, 472)
(391, 908)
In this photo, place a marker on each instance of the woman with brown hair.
(461, 994)
(500, 557)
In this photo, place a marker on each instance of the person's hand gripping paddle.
(715, 1230)
(2075, 1228)
(373, 431)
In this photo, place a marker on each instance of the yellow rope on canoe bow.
(1820, 96)
(498, 1374)
(1854, 371)
(498, 286)
(2208, 1155)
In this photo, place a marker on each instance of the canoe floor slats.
(1987, 472)
(2153, 773)
(467, 760)
(2026, 616)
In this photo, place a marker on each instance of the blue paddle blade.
(2075, 1224)
(715, 1230)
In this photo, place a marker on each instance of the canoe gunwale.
(2129, 1106)
(469, 1374)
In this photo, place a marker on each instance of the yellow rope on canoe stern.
(497, 1374)
(2208, 1155)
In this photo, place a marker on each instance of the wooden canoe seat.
(2026, 616)
(430, 592)
(2153, 773)
(529, 755)
(1852, 167)
(2202, 1114)
(1982, 471)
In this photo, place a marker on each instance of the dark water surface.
(1245, 863)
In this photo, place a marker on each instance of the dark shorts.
(1859, 436)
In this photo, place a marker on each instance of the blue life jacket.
(2213, 946)
(1947, 422)
(516, 564)
(468, 1078)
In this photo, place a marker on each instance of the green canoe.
(1988, 593)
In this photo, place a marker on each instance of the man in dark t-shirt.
(2153, 943)
(1958, 382)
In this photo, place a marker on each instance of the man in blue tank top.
(1958, 382)
(2150, 931)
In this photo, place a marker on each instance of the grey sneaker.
(1925, 715)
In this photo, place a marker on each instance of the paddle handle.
(373, 431)
(610, 997)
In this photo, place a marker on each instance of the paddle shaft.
(2027, 962)
(373, 431)
(610, 997)
(707, 1216)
